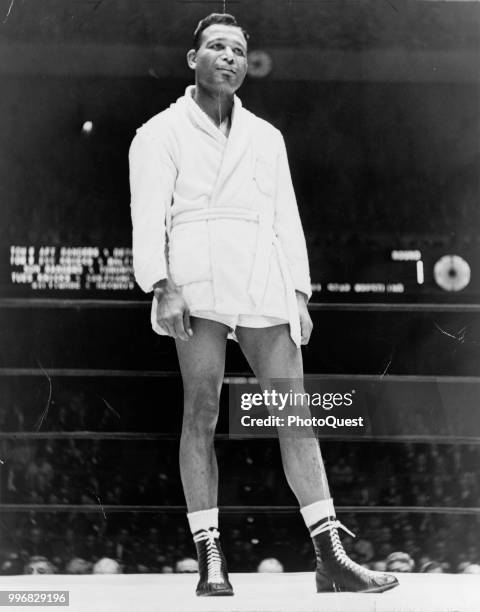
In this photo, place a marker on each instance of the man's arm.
(152, 182)
(288, 225)
(288, 228)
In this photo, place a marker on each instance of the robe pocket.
(189, 253)
(265, 176)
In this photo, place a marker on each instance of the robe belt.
(266, 239)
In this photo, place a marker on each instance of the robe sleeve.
(152, 182)
(288, 226)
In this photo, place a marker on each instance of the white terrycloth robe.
(218, 214)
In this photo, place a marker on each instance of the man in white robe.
(217, 237)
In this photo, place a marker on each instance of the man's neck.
(217, 106)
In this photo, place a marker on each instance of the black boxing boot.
(211, 564)
(336, 571)
(323, 581)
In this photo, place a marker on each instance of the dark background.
(378, 103)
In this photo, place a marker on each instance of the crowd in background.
(156, 542)
(68, 467)
(104, 473)
(70, 471)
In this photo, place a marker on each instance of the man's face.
(220, 63)
(38, 567)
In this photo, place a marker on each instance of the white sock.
(203, 519)
(317, 512)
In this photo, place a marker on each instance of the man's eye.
(217, 46)
(240, 52)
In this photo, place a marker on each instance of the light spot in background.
(87, 127)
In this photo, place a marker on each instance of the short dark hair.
(213, 18)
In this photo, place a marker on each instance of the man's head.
(399, 562)
(215, 19)
(106, 566)
(270, 566)
(39, 565)
(431, 567)
(186, 566)
(219, 54)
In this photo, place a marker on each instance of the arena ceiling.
(306, 38)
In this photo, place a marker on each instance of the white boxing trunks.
(233, 321)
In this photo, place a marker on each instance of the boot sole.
(380, 589)
(224, 593)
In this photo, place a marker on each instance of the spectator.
(423, 560)
(399, 562)
(39, 565)
(431, 567)
(378, 566)
(186, 566)
(106, 566)
(270, 566)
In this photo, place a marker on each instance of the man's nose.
(229, 55)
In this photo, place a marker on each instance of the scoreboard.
(356, 274)
(84, 268)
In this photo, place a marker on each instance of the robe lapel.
(237, 146)
(201, 120)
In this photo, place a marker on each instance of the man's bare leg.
(272, 354)
(202, 364)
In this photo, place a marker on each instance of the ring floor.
(289, 592)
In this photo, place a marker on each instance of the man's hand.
(173, 315)
(306, 324)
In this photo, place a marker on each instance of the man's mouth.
(226, 69)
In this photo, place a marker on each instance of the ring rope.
(333, 306)
(125, 435)
(89, 508)
(231, 377)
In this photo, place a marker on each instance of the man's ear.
(192, 59)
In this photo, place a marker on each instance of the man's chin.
(223, 88)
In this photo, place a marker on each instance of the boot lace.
(214, 559)
(339, 553)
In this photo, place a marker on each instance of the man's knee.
(201, 405)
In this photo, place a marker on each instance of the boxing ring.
(253, 592)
